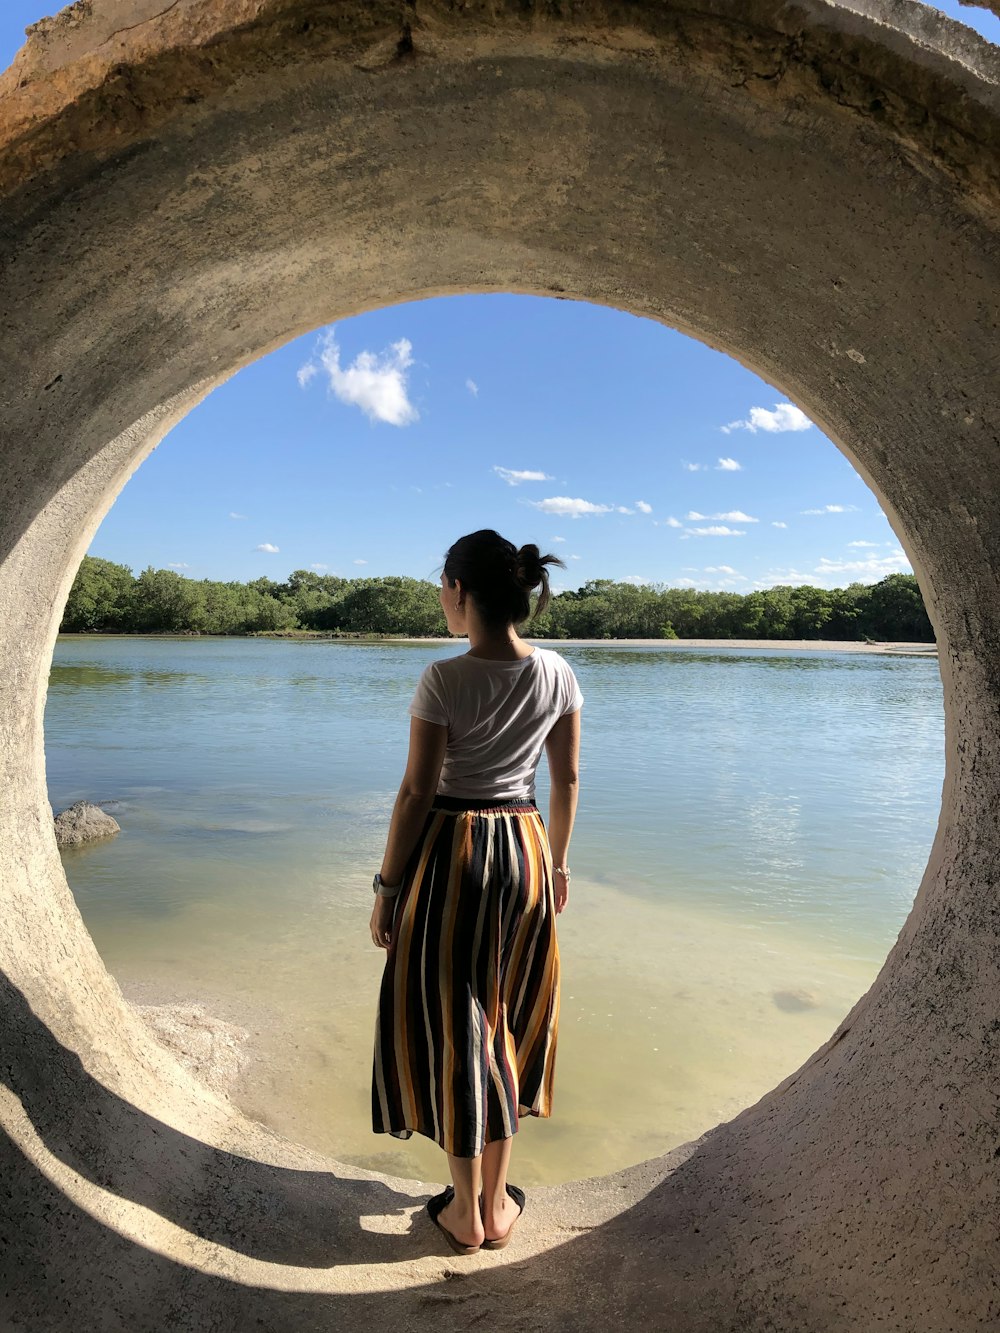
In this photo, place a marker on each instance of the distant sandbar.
(820, 645)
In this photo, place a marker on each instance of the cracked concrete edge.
(981, 4)
(96, 78)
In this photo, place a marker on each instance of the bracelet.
(383, 890)
(562, 870)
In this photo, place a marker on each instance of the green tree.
(100, 598)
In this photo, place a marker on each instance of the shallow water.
(752, 829)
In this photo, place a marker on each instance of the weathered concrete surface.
(811, 187)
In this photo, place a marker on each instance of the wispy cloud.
(728, 465)
(784, 416)
(232, 514)
(268, 547)
(830, 573)
(862, 543)
(568, 507)
(576, 557)
(876, 567)
(776, 523)
(359, 562)
(557, 539)
(722, 569)
(637, 579)
(319, 568)
(715, 531)
(643, 507)
(472, 387)
(693, 467)
(670, 522)
(513, 477)
(733, 516)
(831, 509)
(178, 564)
(623, 509)
(374, 381)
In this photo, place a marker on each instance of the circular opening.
(753, 820)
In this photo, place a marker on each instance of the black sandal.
(435, 1207)
(518, 1196)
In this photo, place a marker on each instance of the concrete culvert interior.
(809, 187)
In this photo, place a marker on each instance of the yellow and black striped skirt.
(468, 1012)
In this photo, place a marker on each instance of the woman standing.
(470, 885)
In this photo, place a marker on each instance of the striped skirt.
(468, 1012)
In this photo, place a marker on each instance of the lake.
(752, 829)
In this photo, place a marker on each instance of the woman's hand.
(381, 922)
(560, 890)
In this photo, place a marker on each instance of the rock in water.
(84, 822)
(795, 1000)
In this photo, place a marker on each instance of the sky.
(623, 447)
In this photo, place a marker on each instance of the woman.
(469, 888)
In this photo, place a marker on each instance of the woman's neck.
(499, 647)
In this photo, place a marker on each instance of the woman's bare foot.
(466, 1227)
(499, 1217)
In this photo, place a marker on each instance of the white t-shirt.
(498, 715)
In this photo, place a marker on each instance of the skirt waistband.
(483, 805)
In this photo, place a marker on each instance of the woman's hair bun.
(529, 568)
(500, 576)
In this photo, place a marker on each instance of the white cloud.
(728, 465)
(514, 478)
(623, 509)
(831, 509)
(569, 508)
(672, 522)
(785, 416)
(715, 532)
(637, 579)
(685, 583)
(375, 382)
(268, 547)
(178, 564)
(557, 539)
(775, 523)
(865, 543)
(720, 569)
(576, 557)
(234, 515)
(694, 467)
(472, 387)
(876, 567)
(830, 573)
(319, 568)
(733, 516)
(643, 507)
(360, 562)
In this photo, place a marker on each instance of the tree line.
(107, 598)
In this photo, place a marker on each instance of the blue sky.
(627, 449)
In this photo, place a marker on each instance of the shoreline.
(775, 645)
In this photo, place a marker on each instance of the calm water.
(752, 829)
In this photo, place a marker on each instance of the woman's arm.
(562, 748)
(415, 797)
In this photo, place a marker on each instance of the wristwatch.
(385, 890)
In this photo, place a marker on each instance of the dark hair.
(499, 576)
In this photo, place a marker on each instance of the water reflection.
(748, 844)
